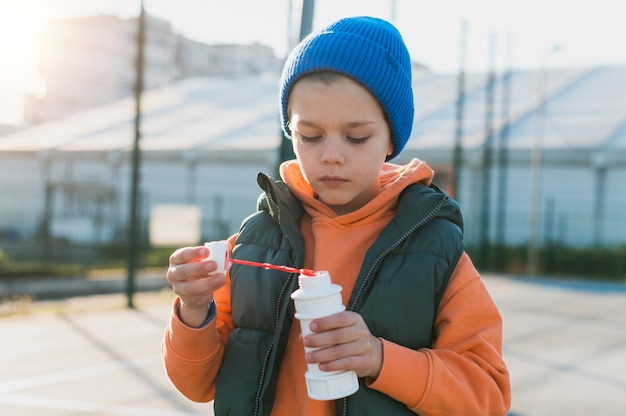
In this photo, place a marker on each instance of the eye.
(358, 140)
(308, 139)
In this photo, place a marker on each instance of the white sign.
(175, 225)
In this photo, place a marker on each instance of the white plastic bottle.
(318, 297)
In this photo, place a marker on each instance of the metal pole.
(485, 257)
(285, 152)
(599, 164)
(306, 23)
(460, 101)
(394, 10)
(503, 165)
(534, 209)
(133, 227)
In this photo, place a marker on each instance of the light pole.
(534, 209)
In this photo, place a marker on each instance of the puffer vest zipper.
(262, 239)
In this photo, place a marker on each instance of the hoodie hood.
(393, 180)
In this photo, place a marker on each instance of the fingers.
(192, 276)
(344, 342)
(200, 287)
(338, 320)
(188, 254)
(190, 263)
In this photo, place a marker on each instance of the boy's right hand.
(189, 274)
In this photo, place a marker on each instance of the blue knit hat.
(371, 52)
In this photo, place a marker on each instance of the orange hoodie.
(463, 372)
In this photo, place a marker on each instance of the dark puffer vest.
(397, 292)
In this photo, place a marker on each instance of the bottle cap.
(319, 280)
(218, 251)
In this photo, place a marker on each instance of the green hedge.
(592, 262)
(556, 260)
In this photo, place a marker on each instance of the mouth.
(333, 180)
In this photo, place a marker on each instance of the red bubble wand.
(306, 272)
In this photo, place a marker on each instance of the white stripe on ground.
(78, 374)
(86, 407)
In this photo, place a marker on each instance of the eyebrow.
(349, 125)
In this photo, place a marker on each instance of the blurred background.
(130, 128)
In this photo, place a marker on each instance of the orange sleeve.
(463, 372)
(192, 356)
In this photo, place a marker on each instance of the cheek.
(303, 157)
(297, 149)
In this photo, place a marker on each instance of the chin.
(333, 201)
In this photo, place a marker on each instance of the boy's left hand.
(345, 343)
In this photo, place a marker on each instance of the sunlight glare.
(20, 32)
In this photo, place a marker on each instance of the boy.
(420, 329)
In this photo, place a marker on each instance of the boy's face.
(341, 139)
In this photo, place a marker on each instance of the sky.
(525, 34)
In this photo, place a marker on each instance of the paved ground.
(565, 345)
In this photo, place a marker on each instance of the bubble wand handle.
(288, 269)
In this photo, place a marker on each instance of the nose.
(333, 152)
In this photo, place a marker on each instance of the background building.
(205, 139)
(90, 61)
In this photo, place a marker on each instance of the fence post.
(133, 227)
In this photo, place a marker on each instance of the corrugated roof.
(585, 107)
(203, 113)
